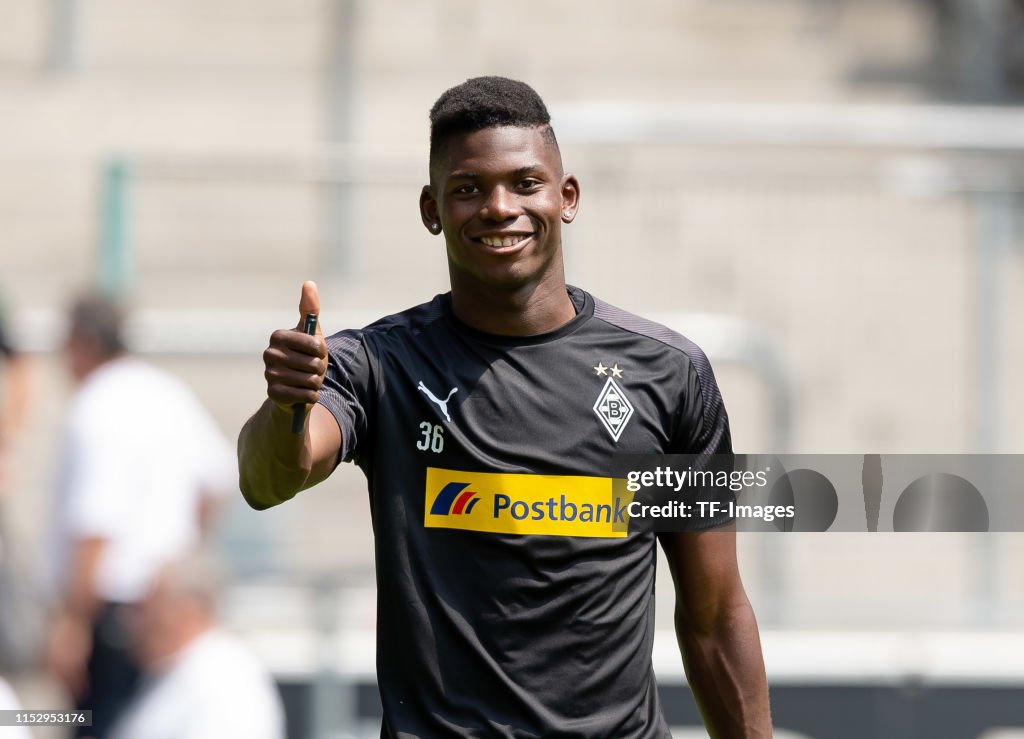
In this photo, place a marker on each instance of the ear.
(429, 211)
(570, 198)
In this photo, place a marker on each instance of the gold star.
(601, 370)
(616, 372)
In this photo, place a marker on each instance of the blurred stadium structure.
(826, 195)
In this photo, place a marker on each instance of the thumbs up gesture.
(295, 361)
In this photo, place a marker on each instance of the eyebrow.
(521, 171)
(529, 169)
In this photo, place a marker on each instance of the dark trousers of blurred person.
(113, 672)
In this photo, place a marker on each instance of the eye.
(467, 189)
(529, 183)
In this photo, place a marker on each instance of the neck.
(163, 656)
(531, 309)
(88, 364)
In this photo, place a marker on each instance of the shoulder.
(645, 329)
(130, 390)
(700, 406)
(98, 401)
(215, 682)
(406, 324)
(219, 662)
(8, 701)
(128, 375)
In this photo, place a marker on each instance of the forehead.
(499, 149)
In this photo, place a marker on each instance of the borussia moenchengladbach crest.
(613, 408)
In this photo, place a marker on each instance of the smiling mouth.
(497, 242)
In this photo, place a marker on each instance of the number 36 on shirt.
(432, 438)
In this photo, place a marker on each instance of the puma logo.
(442, 404)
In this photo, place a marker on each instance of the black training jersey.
(511, 601)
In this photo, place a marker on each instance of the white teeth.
(501, 241)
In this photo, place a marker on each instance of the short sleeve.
(216, 466)
(702, 426)
(346, 391)
(703, 433)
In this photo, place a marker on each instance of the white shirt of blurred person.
(200, 683)
(9, 702)
(142, 468)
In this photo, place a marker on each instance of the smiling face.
(500, 197)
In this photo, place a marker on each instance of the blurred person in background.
(20, 632)
(9, 702)
(199, 682)
(142, 468)
(13, 401)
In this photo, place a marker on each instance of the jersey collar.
(582, 301)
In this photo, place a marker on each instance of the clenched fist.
(295, 361)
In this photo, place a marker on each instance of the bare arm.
(718, 634)
(274, 464)
(81, 599)
(13, 410)
(16, 396)
(71, 632)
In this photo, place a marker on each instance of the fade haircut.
(486, 102)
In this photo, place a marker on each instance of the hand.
(296, 362)
(5, 456)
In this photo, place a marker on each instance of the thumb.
(309, 302)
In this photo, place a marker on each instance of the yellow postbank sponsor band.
(506, 503)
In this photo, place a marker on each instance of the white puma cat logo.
(442, 404)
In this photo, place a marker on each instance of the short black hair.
(486, 102)
(101, 320)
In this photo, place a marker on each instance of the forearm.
(80, 599)
(274, 464)
(725, 669)
(14, 407)
(70, 640)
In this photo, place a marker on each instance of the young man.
(485, 421)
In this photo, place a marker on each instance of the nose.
(499, 206)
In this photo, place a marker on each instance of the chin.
(509, 279)
(517, 274)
